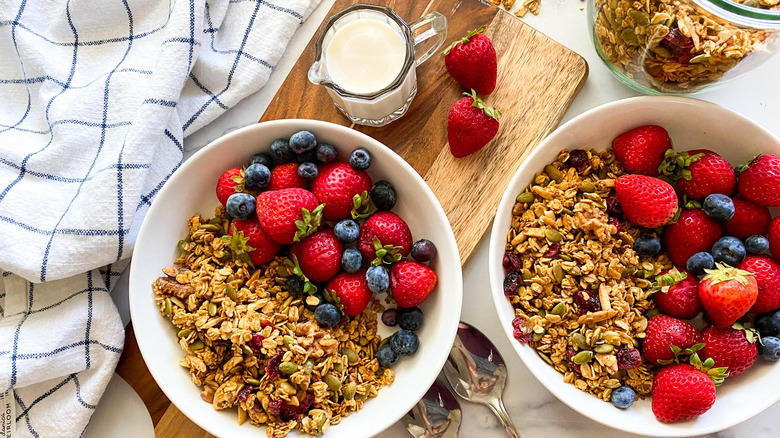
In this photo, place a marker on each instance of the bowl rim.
(292, 125)
(498, 240)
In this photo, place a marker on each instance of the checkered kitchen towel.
(95, 99)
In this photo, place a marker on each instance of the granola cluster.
(582, 292)
(673, 45)
(254, 347)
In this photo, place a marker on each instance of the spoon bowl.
(436, 415)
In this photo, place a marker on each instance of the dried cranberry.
(587, 301)
(521, 337)
(516, 321)
(628, 358)
(272, 369)
(613, 206)
(256, 343)
(286, 411)
(512, 281)
(275, 407)
(570, 353)
(220, 343)
(579, 159)
(305, 404)
(265, 323)
(679, 44)
(553, 250)
(512, 261)
(244, 393)
(616, 222)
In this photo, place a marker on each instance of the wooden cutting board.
(537, 81)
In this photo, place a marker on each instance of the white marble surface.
(536, 412)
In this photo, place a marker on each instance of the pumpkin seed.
(197, 345)
(545, 357)
(662, 52)
(288, 388)
(596, 335)
(583, 357)
(338, 367)
(183, 246)
(333, 382)
(363, 341)
(603, 348)
(559, 309)
(252, 381)
(235, 369)
(168, 307)
(352, 357)
(558, 273)
(349, 390)
(629, 36)
(587, 187)
(640, 18)
(526, 275)
(288, 367)
(575, 270)
(231, 292)
(248, 351)
(308, 366)
(627, 272)
(579, 341)
(553, 235)
(210, 227)
(553, 172)
(212, 309)
(565, 257)
(525, 197)
(183, 333)
(537, 337)
(652, 312)
(699, 59)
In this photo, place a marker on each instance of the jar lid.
(741, 14)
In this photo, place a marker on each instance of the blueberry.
(308, 171)
(729, 250)
(410, 319)
(718, 207)
(257, 176)
(325, 153)
(241, 206)
(423, 250)
(327, 315)
(347, 230)
(386, 356)
(294, 285)
(769, 348)
(351, 260)
(768, 324)
(303, 141)
(262, 158)
(383, 195)
(404, 342)
(307, 157)
(756, 244)
(647, 246)
(360, 159)
(390, 317)
(378, 279)
(623, 397)
(311, 302)
(700, 261)
(281, 152)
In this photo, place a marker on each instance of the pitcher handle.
(438, 29)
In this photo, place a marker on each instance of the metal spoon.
(477, 373)
(437, 415)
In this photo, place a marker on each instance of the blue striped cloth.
(96, 97)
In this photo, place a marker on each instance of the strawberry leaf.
(360, 205)
(675, 166)
(463, 40)
(334, 299)
(387, 254)
(478, 103)
(295, 269)
(664, 282)
(310, 222)
(724, 272)
(237, 245)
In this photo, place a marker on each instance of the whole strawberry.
(336, 185)
(693, 232)
(646, 201)
(699, 173)
(411, 283)
(749, 219)
(262, 249)
(678, 294)
(390, 230)
(470, 125)
(231, 181)
(642, 150)
(285, 176)
(727, 294)
(681, 392)
(664, 332)
(760, 182)
(472, 62)
(767, 274)
(319, 255)
(349, 291)
(732, 348)
(288, 215)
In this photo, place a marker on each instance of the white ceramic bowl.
(691, 124)
(191, 190)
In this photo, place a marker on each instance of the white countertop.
(535, 411)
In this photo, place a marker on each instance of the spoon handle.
(497, 406)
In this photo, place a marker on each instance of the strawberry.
(767, 273)
(733, 348)
(699, 173)
(774, 237)
(748, 219)
(727, 294)
(411, 283)
(472, 62)
(285, 176)
(678, 294)
(646, 201)
(288, 215)
(666, 338)
(384, 230)
(470, 125)
(681, 392)
(336, 186)
(760, 182)
(231, 181)
(693, 232)
(350, 292)
(319, 255)
(642, 150)
(261, 248)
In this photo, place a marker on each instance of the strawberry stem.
(478, 103)
(463, 40)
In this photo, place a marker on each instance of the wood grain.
(538, 78)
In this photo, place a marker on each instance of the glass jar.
(683, 46)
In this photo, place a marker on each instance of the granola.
(253, 346)
(583, 294)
